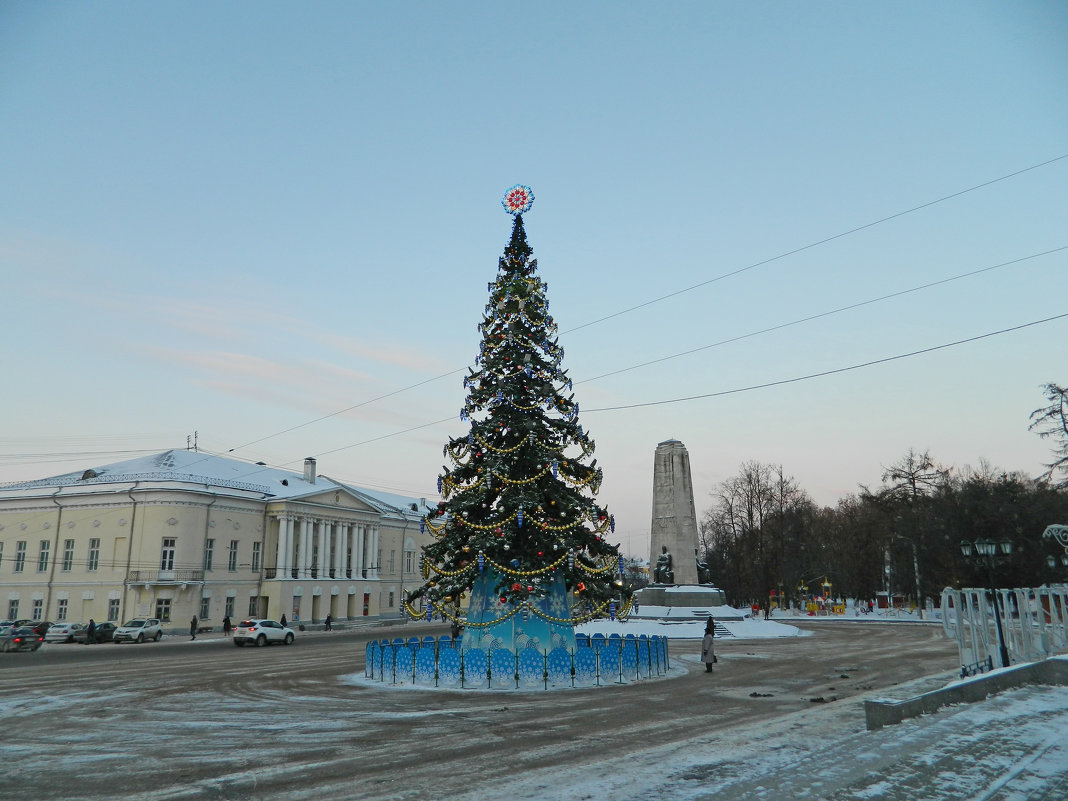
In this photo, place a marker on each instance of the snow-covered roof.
(218, 472)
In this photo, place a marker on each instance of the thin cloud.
(385, 353)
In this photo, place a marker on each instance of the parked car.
(138, 630)
(102, 633)
(63, 632)
(40, 626)
(262, 632)
(21, 638)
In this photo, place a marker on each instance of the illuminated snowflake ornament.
(518, 199)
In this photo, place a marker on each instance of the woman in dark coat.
(708, 655)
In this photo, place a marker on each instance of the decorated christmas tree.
(519, 538)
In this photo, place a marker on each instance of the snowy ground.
(780, 718)
(753, 629)
(1012, 747)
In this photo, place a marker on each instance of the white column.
(323, 559)
(375, 545)
(282, 552)
(291, 537)
(357, 553)
(305, 548)
(340, 530)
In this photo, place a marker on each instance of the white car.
(138, 630)
(62, 632)
(262, 632)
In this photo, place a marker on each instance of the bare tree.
(753, 530)
(916, 474)
(1051, 422)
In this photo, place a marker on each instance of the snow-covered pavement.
(1011, 747)
(779, 719)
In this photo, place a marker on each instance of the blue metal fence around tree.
(441, 662)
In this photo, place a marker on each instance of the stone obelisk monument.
(674, 519)
(678, 578)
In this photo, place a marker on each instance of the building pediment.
(334, 496)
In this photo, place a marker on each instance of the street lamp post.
(985, 552)
(1060, 534)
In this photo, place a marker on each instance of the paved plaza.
(777, 719)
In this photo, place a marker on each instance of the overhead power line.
(738, 271)
(821, 315)
(817, 243)
(830, 372)
(739, 390)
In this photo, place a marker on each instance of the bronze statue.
(662, 573)
(704, 575)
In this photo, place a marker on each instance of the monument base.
(689, 595)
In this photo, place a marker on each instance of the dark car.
(40, 626)
(104, 632)
(21, 639)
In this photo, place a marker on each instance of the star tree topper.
(518, 199)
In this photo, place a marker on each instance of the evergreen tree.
(517, 527)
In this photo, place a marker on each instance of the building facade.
(183, 533)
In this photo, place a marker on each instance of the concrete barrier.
(885, 713)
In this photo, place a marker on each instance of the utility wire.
(689, 289)
(671, 295)
(744, 389)
(740, 337)
(741, 270)
(840, 309)
(349, 409)
(830, 372)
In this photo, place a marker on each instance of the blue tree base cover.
(491, 624)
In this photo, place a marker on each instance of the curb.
(1052, 671)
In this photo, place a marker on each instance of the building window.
(209, 553)
(391, 600)
(256, 557)
(253, 605)
(61, 609)
(378, 559)
(409, 561)
(205, 608)
(13, 610)
(163, 609)
(113, 610)
(1, 553)
(229, 606)
(231, 559)
(94, 555)
(20, 555)
(392, 562)
(166, 557)
(68, 555)
(38, 611)
(42, 557)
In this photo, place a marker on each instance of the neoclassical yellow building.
(184, 533)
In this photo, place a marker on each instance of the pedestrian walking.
(283, 620)
(90, 632)
(329, 621)
(226, 626)
(708, 655)
(193, 628)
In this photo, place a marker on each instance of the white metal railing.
(1034, 622)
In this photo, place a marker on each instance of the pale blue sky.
(237, 218)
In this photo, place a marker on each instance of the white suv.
(262, 632)
(138, 630)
